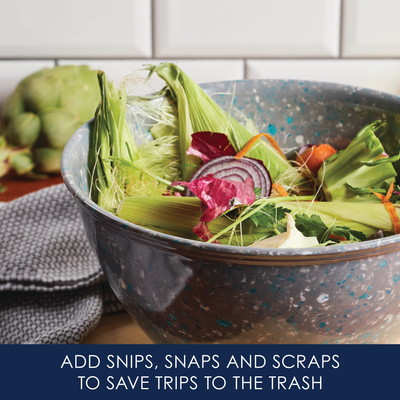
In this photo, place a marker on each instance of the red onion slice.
(228, 167)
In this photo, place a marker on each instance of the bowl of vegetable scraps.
(251, 211)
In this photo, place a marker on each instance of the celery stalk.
(348, 175)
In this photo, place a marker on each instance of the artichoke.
(23, 130)
(21, 161)
(57, 126)
(47, 160)
(40, 116)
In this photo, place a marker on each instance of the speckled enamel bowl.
(183, 291)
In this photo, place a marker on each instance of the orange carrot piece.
(253, 141)
(378, 195)
(389, 207)
(335, 237)
(315, 156)
(280, 189)
(394, 217)
(389, 193)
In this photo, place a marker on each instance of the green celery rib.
(355, 167)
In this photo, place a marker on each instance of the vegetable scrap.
(202, 175)
(315, 156)
(219, 195)
(291, 239)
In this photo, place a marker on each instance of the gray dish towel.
(52, 289)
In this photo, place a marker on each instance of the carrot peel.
(253, 141)
(335, 237)
(280, 189)
(389, 207)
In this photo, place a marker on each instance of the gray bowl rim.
(310, 252)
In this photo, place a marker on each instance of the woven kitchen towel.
(52, 289)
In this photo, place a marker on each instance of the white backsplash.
(371, 28)
(355, 42)
(76, 28)
(247, 28)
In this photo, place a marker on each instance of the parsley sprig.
(270, 217)
(313, 226)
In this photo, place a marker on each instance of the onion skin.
(228, 167)
(305, 148)
(377, 235)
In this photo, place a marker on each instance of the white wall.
(356, 42)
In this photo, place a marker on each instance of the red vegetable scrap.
(335, 237)
(203, 232)
(210, 145)
(230, 169)
(218, 196)
(168, 193)
(220, 159)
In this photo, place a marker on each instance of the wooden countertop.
(112, 329)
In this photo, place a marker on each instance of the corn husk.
(366, 217)
(109, 143)
(178, 215)
(198, 112)
(117, 167)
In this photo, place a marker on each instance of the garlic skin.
(291, 239)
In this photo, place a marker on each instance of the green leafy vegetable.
(348, 233)
(314, 226)
(269, 217)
